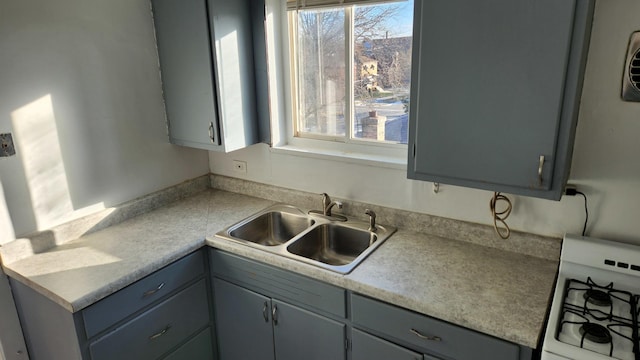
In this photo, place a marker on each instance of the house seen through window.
(352, 70)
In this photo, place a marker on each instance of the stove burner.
(597, 297)
(596, 333)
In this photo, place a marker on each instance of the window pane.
(321, 71)
(382, 63)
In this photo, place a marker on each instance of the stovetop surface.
(598, 318)
(594, 312)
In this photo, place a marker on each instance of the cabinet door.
(182, 32)
(369, 347)
(234, 69)
(198, 348)
(207, 66)
(300, 334)
(429, 357)
(243, 323)
(495, 89)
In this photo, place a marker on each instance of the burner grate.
(600, 319)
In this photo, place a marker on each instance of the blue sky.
(402, 24)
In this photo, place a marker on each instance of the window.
(351, 70)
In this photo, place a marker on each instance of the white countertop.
(497, 292)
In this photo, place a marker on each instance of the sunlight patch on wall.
(37, 138)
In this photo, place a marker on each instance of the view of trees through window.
(375, 91)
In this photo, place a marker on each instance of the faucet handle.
(372, 220)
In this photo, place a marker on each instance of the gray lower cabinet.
(302, 334)
(206, 50)
(163, 315)
(198, 348)
(266, 313)
(495, 92)
(434, 338)
(158, 330)
(243, 321)
(368, 347)
(253, 326)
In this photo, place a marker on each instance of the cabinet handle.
(265, 312)
(212, 135)
(162, 332)
(540, 164)
(274, 314)
(425, 337)
(152, 291)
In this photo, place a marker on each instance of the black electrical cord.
(586, 212)
(500, 216)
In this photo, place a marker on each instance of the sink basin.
(271, 228)
(313, 239)
(333, 244)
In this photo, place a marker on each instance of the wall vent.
(631, 80)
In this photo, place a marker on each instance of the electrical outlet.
(6, 145)
(240, 166)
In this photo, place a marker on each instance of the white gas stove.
(596, 304)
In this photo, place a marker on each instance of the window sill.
(390, 162)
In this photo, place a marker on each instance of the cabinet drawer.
(157, 330)
(420, 331)
(280, 283)
(127, 301)
(198, 348)
(369, 347)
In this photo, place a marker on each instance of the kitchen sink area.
(313, 263)
(331, 242)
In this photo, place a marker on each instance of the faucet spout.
(327, 210)
(327, 204)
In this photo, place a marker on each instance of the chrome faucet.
(327, 204)
(372, 220)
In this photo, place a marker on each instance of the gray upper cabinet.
(206, 51)
(495, 92)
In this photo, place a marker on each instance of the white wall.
(80, 91)
(605, 161)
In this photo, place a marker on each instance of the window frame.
(342, 145)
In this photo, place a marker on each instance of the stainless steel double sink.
(313, 239)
